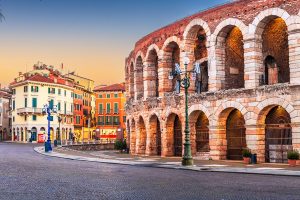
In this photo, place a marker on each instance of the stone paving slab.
(229, 168)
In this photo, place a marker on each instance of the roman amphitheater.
(249, 95)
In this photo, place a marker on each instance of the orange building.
(110, 112)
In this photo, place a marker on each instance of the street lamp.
(184, 82)
(49, 109)
(60, 136)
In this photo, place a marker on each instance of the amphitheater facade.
(248, 92)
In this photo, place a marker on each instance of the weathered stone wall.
(235, 40)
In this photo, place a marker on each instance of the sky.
(90, 37)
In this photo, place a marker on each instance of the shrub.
(293, 155)
(246, 153)
(120, 144)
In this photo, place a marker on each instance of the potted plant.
(246, 155)
(293, 156)
(120, 145)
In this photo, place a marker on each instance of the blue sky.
(89, 36)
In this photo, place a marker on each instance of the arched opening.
(33, 134)
(197, 36)
(22, 134)
(153, 79)
(14, 137)
(128, 134)
(154, 136)
(139, 81)
(142, 135)
(177, 137)
(275, 49)
(131, 80)
(235, 135)
(278, 134)
(18, 135)
(199, 134)
(173, 140)
(58, 134)
(132, 138)
(234, 59)
(171, 56)
(52, 136)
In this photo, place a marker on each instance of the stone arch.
(232, 133)
(131, 79)
(228, 41)
(265, 106)
(141, 136)
(260, 21)
(199, 133)
(154, 136)
(196, 47)
(201, 107)
(138, 77)
(173, 137)
(132, 137)
(229, 106)
(151, 72)
(139, 54)
(33, 134)
(170, 56)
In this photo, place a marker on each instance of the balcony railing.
(29, 110)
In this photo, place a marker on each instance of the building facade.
(248, 92)
(5, 117)
(84, 107)
(30, 92)
(110, 115)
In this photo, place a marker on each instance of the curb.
(239, 170)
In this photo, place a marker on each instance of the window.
(108, 96)
(59, 91)
(108, 108)
(116, 120)
(65, 93)
(100, 108)
(51, 90)
(71, 107)
(108, 120)
(25, 88)
(51, 103)
(25, 102)
(100, 96)
(14, 104)
(100, 120)
(58, 106)
(124, 119)
(116, 95)
(13, 118)
(72, 94)
(77, 119)
(25, 117)
(65, 107)
(14, 91)
(116, 108)
(33, 117)
(34, 89)
(34, 102)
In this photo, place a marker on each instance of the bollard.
(254, 158)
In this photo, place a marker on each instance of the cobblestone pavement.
(24, 174)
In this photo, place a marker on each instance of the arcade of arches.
(246, 96)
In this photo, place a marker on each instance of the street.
(25, 174)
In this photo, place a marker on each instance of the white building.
(5, 120)
(31, 91)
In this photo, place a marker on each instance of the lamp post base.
(48, 147)
(187, 161)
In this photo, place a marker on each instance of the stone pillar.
(163, 73)
(150, 76)
(193, 137)
(24, 136)
(167, 140)
(217, 143)
(296, 136)
(253, 68)
(132, 140)
(255, 139)
(294, 56)
(151, 148)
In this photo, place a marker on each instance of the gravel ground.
(25, 174)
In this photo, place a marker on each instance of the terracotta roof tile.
(114, 87)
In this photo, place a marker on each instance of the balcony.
(21, 111)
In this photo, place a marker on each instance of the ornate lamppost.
(59, 141)
(48, 109)
(183, 80)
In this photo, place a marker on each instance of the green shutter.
(31, 88)
(48, 90)
(37, 89)
(34, 102)
(25, 102)
(51, 103)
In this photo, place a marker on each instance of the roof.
(40, 78)
(114, 87)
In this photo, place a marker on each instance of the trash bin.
(254, 158)
(55, 143)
